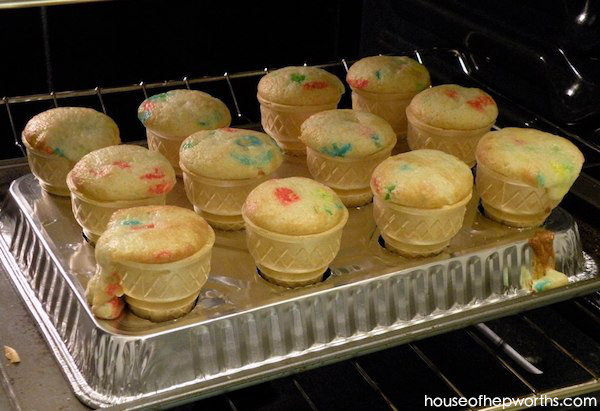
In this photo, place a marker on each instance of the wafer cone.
(389, 106)
(293, 260)
(219, 201)
(50, 170)
(167, 146)
(282, 122)
(349, 178)
(512, 202)
(413, 231)
(93, 215)
(459, 143)
(161, 292)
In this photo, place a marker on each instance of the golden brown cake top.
(422, 179)
(230, 153)
(533, 157)
(179, 113)
(294, 206)
(301, 86)
(451, 106)
(153, 235)
(347, 133)
(388, 74)
(70, 132)
(124, 172)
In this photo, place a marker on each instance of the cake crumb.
(12, 355)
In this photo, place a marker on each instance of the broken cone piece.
(12, 355)
(543, 274)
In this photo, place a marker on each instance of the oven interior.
(540, 62)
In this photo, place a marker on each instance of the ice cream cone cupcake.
(113, 178)
(450, 118)
(221, 167)
(522, 174)
(171, 117)
(385, 85)
(56, 139)
(343, 149)
(289, 96)
(420, 200)
(293, 229)
(157, 257)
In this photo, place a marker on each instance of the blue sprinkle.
(131, 222)
(248, 141)
(376, 140)
(540, 285)
(337, 151)
(540, 179)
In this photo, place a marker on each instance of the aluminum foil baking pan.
(244, 329)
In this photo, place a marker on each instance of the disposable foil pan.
(244, 329)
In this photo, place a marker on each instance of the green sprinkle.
(406, 167)
(58, 152)
(189, 144)
(378, 74)
(160, 96)
(297, 78)
(328, 211)
(540, 179)
(388, 191)
(202, 123)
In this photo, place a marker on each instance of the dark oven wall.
(124, 42)
(544, 54)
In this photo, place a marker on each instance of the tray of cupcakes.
(222, 256)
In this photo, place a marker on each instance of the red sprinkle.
(112, 289)
(312, 85)
(377, 184)
(358, 82)
(229, 130)
(286, 196)
(122, 164)
(365, 131)
(160, 188)
(156, 174)
(116, 306)
(148, 106)
(450, 93)
(519, 142)
(480, 102)
(163, 255)
(142, 227)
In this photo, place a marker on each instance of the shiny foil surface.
(244, 329)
